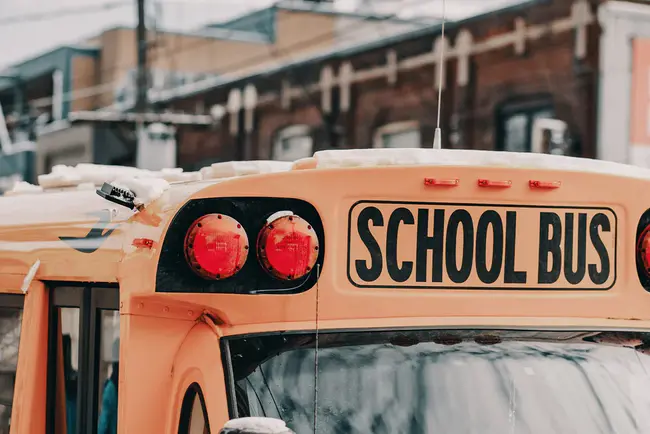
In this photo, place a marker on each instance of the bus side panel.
(199, 361)
(148, 346)
(28, 413)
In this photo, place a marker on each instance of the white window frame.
(291, 132)
(394, 128)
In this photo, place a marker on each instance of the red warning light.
(433, 182)
(287, 247)
(216, 246)
(497, 184)
(643, 249)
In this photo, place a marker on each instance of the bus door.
(83, 360)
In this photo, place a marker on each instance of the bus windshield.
(461, 382)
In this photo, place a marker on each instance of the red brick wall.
(548, 68)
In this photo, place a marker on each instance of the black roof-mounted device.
(117, 195)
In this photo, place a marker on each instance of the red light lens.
(490, 183)
(216, 246)
(643, 249)
(441, 182)
(288, 247)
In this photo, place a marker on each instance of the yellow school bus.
(384, 291)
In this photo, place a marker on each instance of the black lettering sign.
(601, 221)
(493, 220)
(397, 273)
(455, 245)
(426, 243)
(369, 214)
(549, 224)
(510, 275)
(575, 276)
(455, 273)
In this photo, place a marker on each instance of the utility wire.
(170, 54)
(252, 61)
(62, 13)
(54, 14)
(347, 30)
(230, 68)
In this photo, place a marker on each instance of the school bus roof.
(79, 236)
(470, 158)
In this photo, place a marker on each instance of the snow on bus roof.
(146, 184)
(23, 187)
(461, 157)
(232, 169)
(68, 176)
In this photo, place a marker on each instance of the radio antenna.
(316, 355)
(437, 139)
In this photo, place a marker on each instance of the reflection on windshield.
(503, 386)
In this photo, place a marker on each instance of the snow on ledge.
(23, 187)
(232, 169)
(257, 425)
(96, 174)
(146, 189)
(460, 157)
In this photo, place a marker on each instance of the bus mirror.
(256, 425)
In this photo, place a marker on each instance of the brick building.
(99, 73)
(537, 62)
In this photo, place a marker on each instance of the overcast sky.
(25, 36)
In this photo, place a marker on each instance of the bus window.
(108, 371)
(67, 370)
(532, 382)
(82, 387)
(194, 419)
(11, 311)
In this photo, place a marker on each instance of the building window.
(398, 135)
(293, 143)
(515, 125)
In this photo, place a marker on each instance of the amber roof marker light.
(216, 246)
(288, 247)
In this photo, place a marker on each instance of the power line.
(314, 41)
(62, 13)
(107, 87)
(185, 48)
(55, 14)
(230, 68)
(95, 90)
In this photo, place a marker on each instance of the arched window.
(293, 143)
(398, 135)
(194, 417)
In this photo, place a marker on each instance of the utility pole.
(142, 85)
(143, 74)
